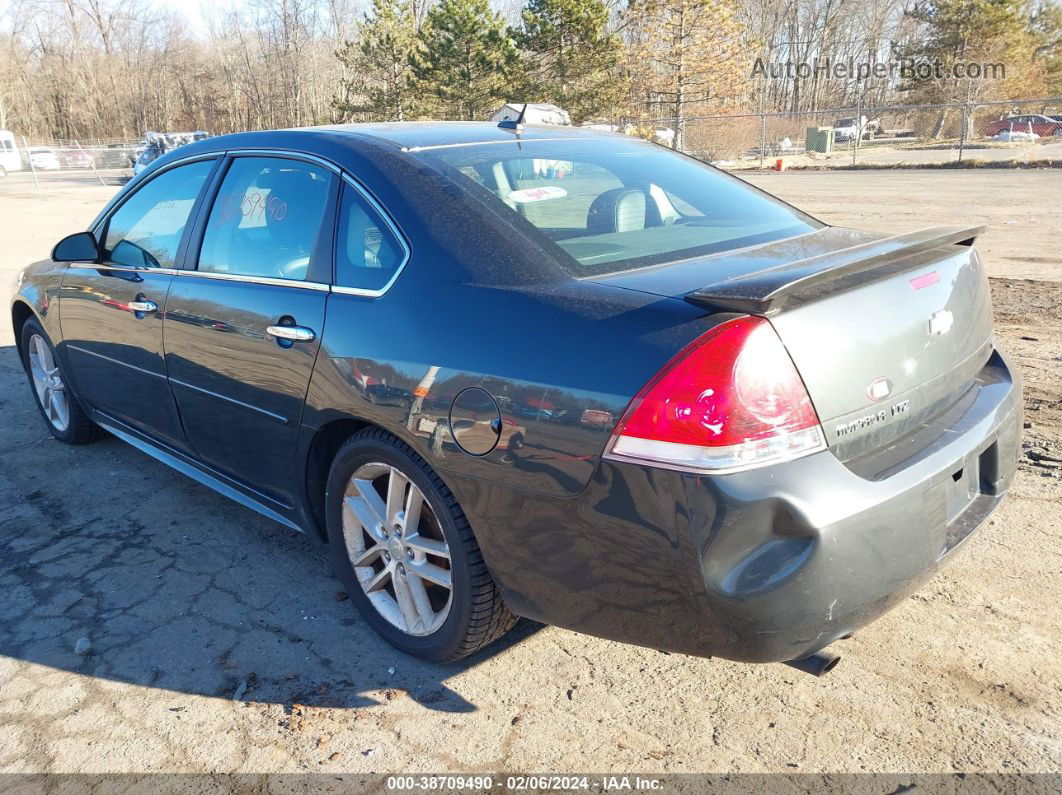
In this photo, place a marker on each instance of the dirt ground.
(218, 643)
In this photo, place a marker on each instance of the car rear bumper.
(770, 564)
(828, 546)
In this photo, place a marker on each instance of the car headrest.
(617, 210)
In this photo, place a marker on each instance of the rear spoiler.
(806, 279)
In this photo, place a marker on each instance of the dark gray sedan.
(514, 371)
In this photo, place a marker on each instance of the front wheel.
(406, 554)
(55, 400)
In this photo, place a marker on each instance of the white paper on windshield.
(537, 194)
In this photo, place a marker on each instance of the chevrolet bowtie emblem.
(879, 388)
(940, 322)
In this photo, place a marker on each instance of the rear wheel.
(55, 400)
(406, 554)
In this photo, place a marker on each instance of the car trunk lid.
(886, 332)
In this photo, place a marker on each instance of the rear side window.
(146, 230)
(368, 254)
(604, 205)
(266, 218)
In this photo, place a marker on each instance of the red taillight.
(732, 399)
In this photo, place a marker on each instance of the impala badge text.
(872, 419)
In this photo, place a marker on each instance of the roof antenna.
(517, 125)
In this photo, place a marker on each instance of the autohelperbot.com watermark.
(852, 69)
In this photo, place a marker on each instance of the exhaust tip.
(818, 664)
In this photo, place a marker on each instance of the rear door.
(243, 329)
(111, 311)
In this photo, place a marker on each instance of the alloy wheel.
(48, 383)
(397, 548)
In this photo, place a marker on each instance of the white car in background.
(44, 158)
(852, 128)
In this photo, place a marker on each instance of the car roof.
(418, 135)
(399, 137)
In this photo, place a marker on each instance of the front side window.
(367, 252)
(607, 205)
(266, 218)
(146, 230)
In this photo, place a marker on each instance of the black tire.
(80, 429)
(477, 614)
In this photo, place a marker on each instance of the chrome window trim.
(407, 252)
(270, 280)
(105, 216)
(232, 277)
(362, 292)
(96, 266)
(286, 153)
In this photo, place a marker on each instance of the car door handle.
(293, 333)
(142, 306)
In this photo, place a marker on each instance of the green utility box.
(819, 139)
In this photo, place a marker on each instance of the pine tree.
(1046, 23)
(685, 57)
(465, 64)
(570, 57)
(377, 65)
(974, 32)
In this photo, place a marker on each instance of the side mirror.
(78, 247)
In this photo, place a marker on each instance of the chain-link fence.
(1017, 132)
(1001, 133)
(43, 163)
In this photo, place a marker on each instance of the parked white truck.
(10, 159)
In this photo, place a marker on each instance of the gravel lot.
(219, 643)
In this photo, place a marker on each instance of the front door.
(111, 311)
(243, 330)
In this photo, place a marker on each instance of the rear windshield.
(604, 205)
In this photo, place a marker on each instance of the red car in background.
(1034, 122)
(76, 158)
